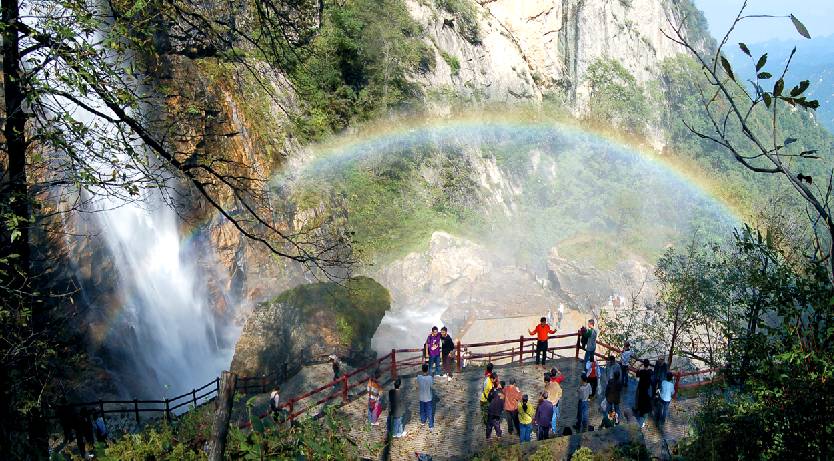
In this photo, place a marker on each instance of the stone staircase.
(459, 432)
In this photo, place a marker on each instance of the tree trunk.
(220, 428)
(14, 192)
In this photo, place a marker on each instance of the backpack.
(583, 332)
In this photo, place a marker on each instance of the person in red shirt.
(542, 331)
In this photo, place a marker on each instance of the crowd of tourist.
(504, 404)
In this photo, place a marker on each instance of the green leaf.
(15, 234)
(767, 99)
(803, 31)
(799, 89)
(761, 63)
(764, 75)
(727, 68)
(778, 87)
(745, 49)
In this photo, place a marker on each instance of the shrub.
(452, 61)
(466, 16)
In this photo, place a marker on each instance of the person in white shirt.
(625, 358)
(665, 392)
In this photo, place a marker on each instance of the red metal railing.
(403, 361)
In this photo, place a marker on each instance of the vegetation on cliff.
(309, 322)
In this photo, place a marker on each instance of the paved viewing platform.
(459, 431)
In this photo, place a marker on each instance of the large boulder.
(309, 322)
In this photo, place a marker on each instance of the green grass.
(452, 61)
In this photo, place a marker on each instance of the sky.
(817, 15)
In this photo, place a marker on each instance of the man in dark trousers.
(543, 417)
(396, 410)
(542, 331)
(446, 347)
(494, 413)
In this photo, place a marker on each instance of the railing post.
(217, 389)
(291, 409)
(457, 348)
(512, 354)
(345, 388)
(194, 397)
(167, 410)
(101, 408)
(521, 350)
(136, 410)
(263, 384)
(393, 364)
(577, 346)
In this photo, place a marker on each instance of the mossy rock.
(311, 321)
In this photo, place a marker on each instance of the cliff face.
(542, 48)
(485, 52)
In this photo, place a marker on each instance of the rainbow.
(399, 130)
(386, 134)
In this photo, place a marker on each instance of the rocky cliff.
(500, 51)
(539, 49)
(310, 322)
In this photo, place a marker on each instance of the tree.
(685, 319)
(782, 309)
(732, 106)
(88, 118)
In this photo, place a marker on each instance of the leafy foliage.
(357, 66)
(324, 438)
(616, 97)
(466, 15)
(452, 61)
(183, 439)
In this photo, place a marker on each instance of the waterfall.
(177, 340)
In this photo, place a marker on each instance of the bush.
(616, 96)
(466, 16)
(452, 61)
(357, 66)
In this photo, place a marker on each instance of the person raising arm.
(541, 331)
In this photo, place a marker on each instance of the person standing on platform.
(424, 392)
(643, 397)
(496, 409)
(542, 331)
(396, 409)
(525, 419)
(512, 395)
(447, 346)
(543, 417)
(432, 347)
(583, 413)
(625, 359)
(374, 399)
(591, 341)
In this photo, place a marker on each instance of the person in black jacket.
(396, 409)
(446, 348)
(494, 413)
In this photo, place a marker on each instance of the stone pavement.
(459, 431)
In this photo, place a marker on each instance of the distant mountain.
(814, 61)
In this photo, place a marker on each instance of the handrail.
(341, 387)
